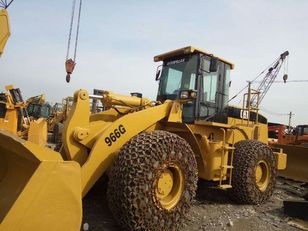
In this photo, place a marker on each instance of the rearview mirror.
(209, 65)
(158, 73)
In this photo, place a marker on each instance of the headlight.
(188, 94)
(184, 95)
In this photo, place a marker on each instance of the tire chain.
(244, 186)
(134, 176)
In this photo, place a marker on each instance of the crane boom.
(269, 78)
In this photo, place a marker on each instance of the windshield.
(45, 111)
(178, 74)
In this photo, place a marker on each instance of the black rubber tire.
(57, 133)
(134, 174)
(246, 156)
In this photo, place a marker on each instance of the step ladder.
(226, 151)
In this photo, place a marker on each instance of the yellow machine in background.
(58, 115)
(14, 118)
(37, 107)
(4, 29)
(155, 151)
(295, 144)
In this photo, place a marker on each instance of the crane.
(269, 78)
(271, 73)
(71, 62)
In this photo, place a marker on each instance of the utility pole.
(290, 117)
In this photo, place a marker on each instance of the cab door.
(214, 91)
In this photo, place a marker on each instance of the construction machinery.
(37, 107)
(4, 29)
(14, 117)
(4, 24)
(153, 151)
(58, 115)
(295, 143)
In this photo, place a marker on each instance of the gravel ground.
(212, 210)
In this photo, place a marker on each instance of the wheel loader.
(15, 119)
(37, 107)
(153, 152)
(295, 145)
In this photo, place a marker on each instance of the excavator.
(153, 151)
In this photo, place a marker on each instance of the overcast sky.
(118, 40)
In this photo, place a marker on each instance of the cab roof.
(185, 51)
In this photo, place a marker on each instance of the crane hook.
(69, 66)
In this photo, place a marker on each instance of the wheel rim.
(262, 175)
(170, 186)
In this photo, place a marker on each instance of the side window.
(209, 87)
(226, 85)
(210, 81)
(2, 110)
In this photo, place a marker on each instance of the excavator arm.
(4, 29)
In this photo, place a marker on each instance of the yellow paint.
(37, 132)
(263, 175)
(4, 29)
(34, 131)
(90, 144)
(187, 50)
(170, 186)
(38, 189)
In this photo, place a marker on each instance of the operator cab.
(192, 71)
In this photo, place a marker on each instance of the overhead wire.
(273, 113)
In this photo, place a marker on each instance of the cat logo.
(244, 114)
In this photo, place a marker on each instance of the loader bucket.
(38, 132)
(38, 190)
(297, 162)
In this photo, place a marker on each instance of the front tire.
(152, 182)
(254, 172)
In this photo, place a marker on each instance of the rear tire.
(152, 182)
(254, 172)
(57, 133)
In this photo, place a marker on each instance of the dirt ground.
(212, 210)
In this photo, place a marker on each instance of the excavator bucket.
(297, 162)
(38, 190)
(38, 132)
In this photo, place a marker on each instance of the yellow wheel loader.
(154, 153)
(59, 113)
(14, 117)
(37, 107)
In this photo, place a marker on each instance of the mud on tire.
(133, 180)
(247, 155)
